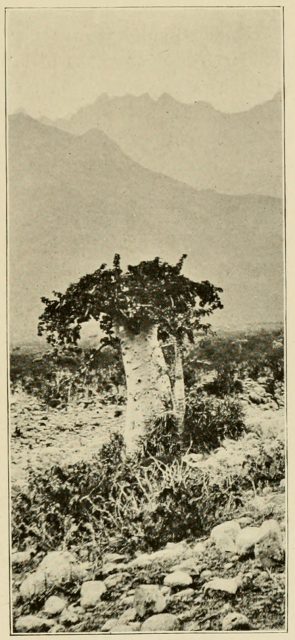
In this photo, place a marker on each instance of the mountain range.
(235, 153)
(76, 199)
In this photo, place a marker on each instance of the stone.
(161, 622)
(121, 628)
(246, 539)
(184, 594)
(20, 558)
(188, 565)
(224, 535)
(127, 600)
(228, 585)
(112, 622)
(54, 606)
(235, 621)
(178, 579)
(206, 574)
(70, 615)
(171, 552)
(128, 616)
(135, 626)
(268, 551)
(91, 592)
(114, 557)
(56, 568)
(111, 567)
(113, 580)
(25, 624)
(149, 598)
(255, 397)
(61, 566)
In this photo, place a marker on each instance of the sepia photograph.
(146, 319)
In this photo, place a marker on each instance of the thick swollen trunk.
(178, 388)
(149, 393)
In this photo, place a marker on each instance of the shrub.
(209, 420)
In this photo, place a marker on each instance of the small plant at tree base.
(150, 303)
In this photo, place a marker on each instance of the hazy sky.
(61, 59)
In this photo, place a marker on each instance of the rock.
(58, 628)
(20, 558)
(229, 585)
(199, 548)
(236, 622)
(121, 628)
(178, 579)
(135, 626)
(70, 615)
(184, 594)
(255, 397)
(112, 622)
(60, 566)
(206, 574)
(246, 539)
(149, 598)
(188, 566)
(54, 606)
(112, 567)
(113, 580)
(224, 535)
(267, 536)
(24, 624)
(171, 552)
(33, 584)
(56, 568)
(91, 592)
(269, 552)
(228, 565)
(127, 600)
(128, 616)
(114, 557)
(161, 622)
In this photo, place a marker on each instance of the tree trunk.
(178, 387)
(149, 393)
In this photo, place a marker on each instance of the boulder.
(113, 580)
(25, 624)
(70, 615)
(56, 568)
(114, 557)
(54, 606)
(91, 592)
(236, 622)
(112, 622)
(228, 585)
(224, 535)
(184, 594)
(161, 622)
(128, 616)
(20, 558)
(246, 539)
(178, 579)
(121, 628)
(150, 598)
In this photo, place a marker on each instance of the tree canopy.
(152, 292)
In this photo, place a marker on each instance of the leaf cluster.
(152, 292)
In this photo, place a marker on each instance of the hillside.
(76, 200)
(237, 153)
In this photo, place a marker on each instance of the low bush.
(141, 502)
(209, 420)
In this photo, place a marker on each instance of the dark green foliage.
(208, 420)
(150, 292)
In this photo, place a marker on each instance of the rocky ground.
(232, 580)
